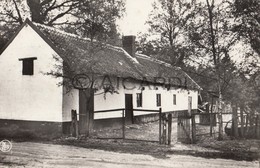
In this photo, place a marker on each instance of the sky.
(137, 12)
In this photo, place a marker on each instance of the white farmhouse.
(38, 62)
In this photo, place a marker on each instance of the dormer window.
(28, 68)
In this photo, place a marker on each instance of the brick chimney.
(129, 44)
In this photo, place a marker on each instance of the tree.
(168, 22)
(40, 11)
(244, 92)
(97, 19)
(92, 17)
(14, 12)
(211, 33)
(211, 30)
(247, 14)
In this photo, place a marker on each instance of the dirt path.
(28, 154)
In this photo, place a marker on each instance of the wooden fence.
(75, 127)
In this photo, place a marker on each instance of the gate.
(184, 127)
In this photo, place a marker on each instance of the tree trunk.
(251, 125)
(90, 109)
(193, 127)
(242, 121)
(35, 8)
(86, 111)
(211, 115)
(169, 129)
(220, 121)
(211, 118)
(216, 61)
(257, 127)
(246, 131)
(234, 121)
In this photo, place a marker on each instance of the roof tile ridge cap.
(62, 32)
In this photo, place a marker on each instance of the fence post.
(210, 119)
(193, 127)
(123, 123)
(242, 130)
(211, 123)
(169, 129)
(257, 126)
(74, 124)
(164, 122)
(234, 121)
(160, 124)
(247, 129)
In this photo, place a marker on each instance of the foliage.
(93, 19)
(96, 19)
(41, 11)
(201, 37)
(247, 14)
(217, 39)
(168, 22)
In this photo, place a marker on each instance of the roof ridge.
(157, 61)
(167, 65)
(63, 32)
(116, 48)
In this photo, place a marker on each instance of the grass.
(226, 149)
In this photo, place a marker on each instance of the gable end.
(28, 22)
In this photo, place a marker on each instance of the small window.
(28, 68)
(174, 99)
(158, 100)
(139, 99)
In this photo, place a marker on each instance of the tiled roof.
(154, 69)
(103, 60)
(110, 60)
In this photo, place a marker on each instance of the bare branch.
(20, 20)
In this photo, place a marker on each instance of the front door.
(129, 109)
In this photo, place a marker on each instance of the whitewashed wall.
(114, 101)
(25, 97)
(109, 101)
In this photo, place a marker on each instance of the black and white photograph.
(130, 83)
